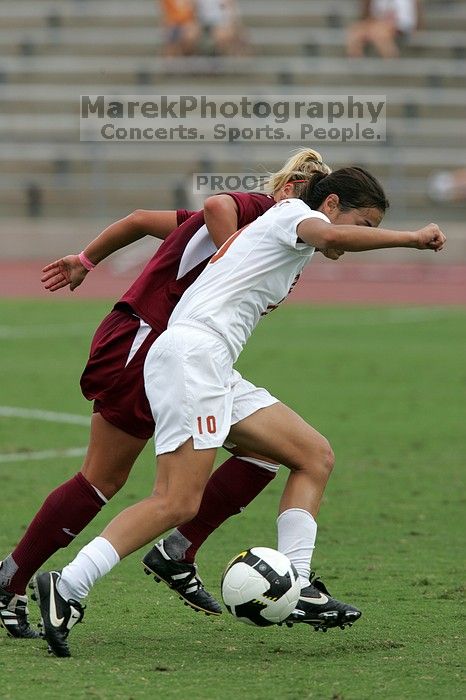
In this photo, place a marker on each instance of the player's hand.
(65, 272)
(430, 238)
(331, 253)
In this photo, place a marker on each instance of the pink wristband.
(85, 262)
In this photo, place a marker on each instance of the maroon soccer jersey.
(156, 291)
(116, 384)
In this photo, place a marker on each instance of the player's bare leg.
(285, 437)
(63, 515)
(181, 479)
(110, 456)
(178, 489)
(232, 486)
(282, 435)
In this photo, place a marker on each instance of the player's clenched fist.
(331, 253)
(430, 237)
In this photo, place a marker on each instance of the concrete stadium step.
(56, 13)
(182, 157)
(109, 83)
(288, 68)
(412, 102)
(146, 41)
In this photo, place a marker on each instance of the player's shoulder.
(291, 208)
(252, 204)
(263, 199)
(292, 203)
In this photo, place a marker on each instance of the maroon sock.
(64, 513)
(230, 489)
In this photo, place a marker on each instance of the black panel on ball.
(252, 611)
(278, 584)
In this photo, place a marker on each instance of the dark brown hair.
(355, 187)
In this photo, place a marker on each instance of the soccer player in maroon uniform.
(122, 421)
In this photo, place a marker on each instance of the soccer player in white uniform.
(195, 392)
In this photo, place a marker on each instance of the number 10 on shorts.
(207, 424)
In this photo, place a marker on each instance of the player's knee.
(328, 457)
(320, 460)
(182, 509)
(107, 485)
(188, 513)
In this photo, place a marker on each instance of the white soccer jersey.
(249, 275)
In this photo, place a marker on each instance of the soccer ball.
(260, 587)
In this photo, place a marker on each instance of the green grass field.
(386, 386)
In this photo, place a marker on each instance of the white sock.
(297, 531)
(93, 561)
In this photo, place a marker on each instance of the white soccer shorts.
(193, 390)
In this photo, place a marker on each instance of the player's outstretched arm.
(69, 271)
(359, 238)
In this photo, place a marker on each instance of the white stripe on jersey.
(200, 247)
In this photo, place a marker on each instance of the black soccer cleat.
(182, 577)
(58, 615)
(317, 608)
(14, 615)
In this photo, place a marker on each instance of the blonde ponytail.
(300, 166)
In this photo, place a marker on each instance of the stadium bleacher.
(52, 51)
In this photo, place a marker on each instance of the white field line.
(56, 330)
(44, 454)
(50, 417)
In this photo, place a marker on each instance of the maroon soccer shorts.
(114, 375)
